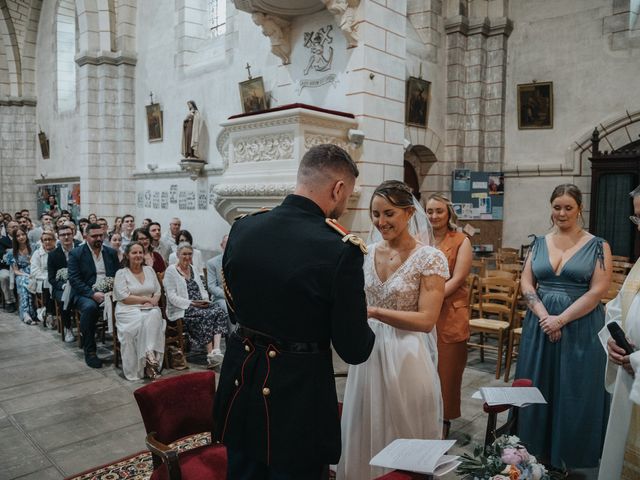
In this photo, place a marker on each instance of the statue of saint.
(191, 132)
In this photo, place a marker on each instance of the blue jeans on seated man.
(88, 318)
(241, 467)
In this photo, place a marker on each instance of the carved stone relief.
(264, 148)
(277, 29)
(344, 11)
(311, 140)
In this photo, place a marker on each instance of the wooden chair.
(620, 258)
(479, 267)
(514, 268)
(501, 274)
(498, 298)
(175, 408)
(622, 267)
(174, 331)
(507, 255)
(117, 354)
(101, 327)
(514, 336)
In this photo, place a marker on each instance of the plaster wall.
(572, 45)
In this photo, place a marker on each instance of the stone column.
(376, 97)
(476, 72)
(107, 144)
(17, 154)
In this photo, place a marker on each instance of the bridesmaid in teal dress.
(559, 350)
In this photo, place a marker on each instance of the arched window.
(65, 55)
(217, 10)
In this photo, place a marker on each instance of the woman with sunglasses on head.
(19, 259)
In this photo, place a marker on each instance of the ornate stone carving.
(278, 30)
(264, 148)
(253, 190)
(344, 11)
(312, 140)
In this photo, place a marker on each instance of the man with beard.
(88, 264)
(295, 285)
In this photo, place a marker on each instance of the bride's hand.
(372, 312)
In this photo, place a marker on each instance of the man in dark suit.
(88, 264)
(56, 261)
(294, 286)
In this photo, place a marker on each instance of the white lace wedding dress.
(396, 392)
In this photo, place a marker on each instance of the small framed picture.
(44, 144)
(417, 102)
(535, 105)
(252, 95)
(154, 122)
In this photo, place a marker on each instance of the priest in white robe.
(621, 454)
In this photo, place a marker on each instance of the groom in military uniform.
(294, 284)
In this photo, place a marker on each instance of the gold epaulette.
(227, 293)
(262, 210)
(346, 236)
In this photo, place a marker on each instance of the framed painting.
(417, 102)
(535, 105)
(154, 122)
(252, 95)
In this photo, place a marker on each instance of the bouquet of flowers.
(62, 275)
(504, 459)
(104, 285)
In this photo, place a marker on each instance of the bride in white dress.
(396, 392)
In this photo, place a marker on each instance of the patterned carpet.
(137, 466)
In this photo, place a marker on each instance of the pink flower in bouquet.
(515, 456)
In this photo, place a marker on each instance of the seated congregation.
(123, 282)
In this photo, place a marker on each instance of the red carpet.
(137, 466)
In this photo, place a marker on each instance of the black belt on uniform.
(264, 340)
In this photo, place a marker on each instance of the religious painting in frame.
(44, 144)
(417, 102)
(535, 105)
(252, 95)
(154, 122)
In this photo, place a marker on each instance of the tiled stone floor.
(59, 417)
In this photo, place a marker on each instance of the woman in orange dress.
(453, 324)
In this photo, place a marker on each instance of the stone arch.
(425, 137)
(4, 71)
(11, 50)
(29, 49)
(615, 132)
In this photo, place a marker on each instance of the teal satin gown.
(570, 429)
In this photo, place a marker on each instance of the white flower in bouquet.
(62, 275)
(104, 285)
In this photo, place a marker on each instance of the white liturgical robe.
(621, 454)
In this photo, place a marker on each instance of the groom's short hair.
(322, 162)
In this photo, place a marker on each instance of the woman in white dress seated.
(138, 318)
(396, 392)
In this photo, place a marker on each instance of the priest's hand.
(617, 355)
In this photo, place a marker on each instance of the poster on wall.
(164, 200)
(147, 199)
(67, 197)
(182, 200)
(140, 202)
(156, 199)
(173, 194)
(477, 195)
(191, 200)
(203, 199)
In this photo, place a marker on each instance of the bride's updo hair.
(395, 192)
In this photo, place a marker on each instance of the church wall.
(62, 129)
(586, 49)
